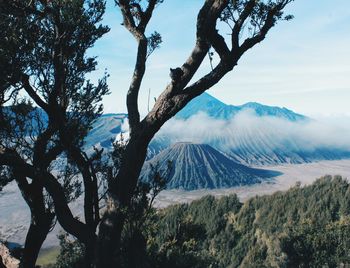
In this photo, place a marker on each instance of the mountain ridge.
(219, 110)
(253, 144)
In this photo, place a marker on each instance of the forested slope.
(303, 227)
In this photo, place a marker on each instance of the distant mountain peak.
(185, 143)
(209, 98)
(217, 109)
(251, 104)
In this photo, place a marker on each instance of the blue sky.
(303, 64)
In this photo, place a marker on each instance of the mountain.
(259, 149)
(196, 166)
(264, 135)
(209, 105)
(258, 141)
(108, 126)
(105, 130)
(216, 109)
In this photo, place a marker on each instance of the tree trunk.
(41, 219)
(38, 230)
(120, 193)
(108, 247)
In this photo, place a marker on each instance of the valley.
(305, 173)
(214, 149)
(13, 226)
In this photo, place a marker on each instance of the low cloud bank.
(249, 129)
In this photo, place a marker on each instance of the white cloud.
(266, 131)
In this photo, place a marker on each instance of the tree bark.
(120, 191)
(39, 228)
(41, 219)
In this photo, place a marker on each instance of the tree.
(44, 55)
(251, 19)
(43, 59)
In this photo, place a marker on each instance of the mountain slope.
(255, 143)
(209, 105)
(264, 135)
(195, 166)
(252, 134)
(263, 147)
(105, 130)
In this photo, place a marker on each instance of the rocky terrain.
(6, 260)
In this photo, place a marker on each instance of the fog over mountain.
(258, 140)
(256, 134)
(252, 133)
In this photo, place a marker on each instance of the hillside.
(303, 227)
(195, 166)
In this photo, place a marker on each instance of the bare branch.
(31, 92)
(138, 31)
(146, 16)
(206, 23)
(128, 18)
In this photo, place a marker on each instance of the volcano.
(191, 166)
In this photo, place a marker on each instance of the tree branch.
(138, 31)
(175, 97)
(135, 85)
(146, 16)
(63, 212)
(260, 36)
(128, 19)
(239, 23)
(206, 23)
(31, 92)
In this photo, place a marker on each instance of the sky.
(303, 64)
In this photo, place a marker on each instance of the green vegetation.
(48, 256)
(48, 104)
(303, 227)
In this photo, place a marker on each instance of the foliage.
(303, 227)
(140, 224)
(313, 245)
(47, 107)
(71, 253)
(44, 63)
(267, 231)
